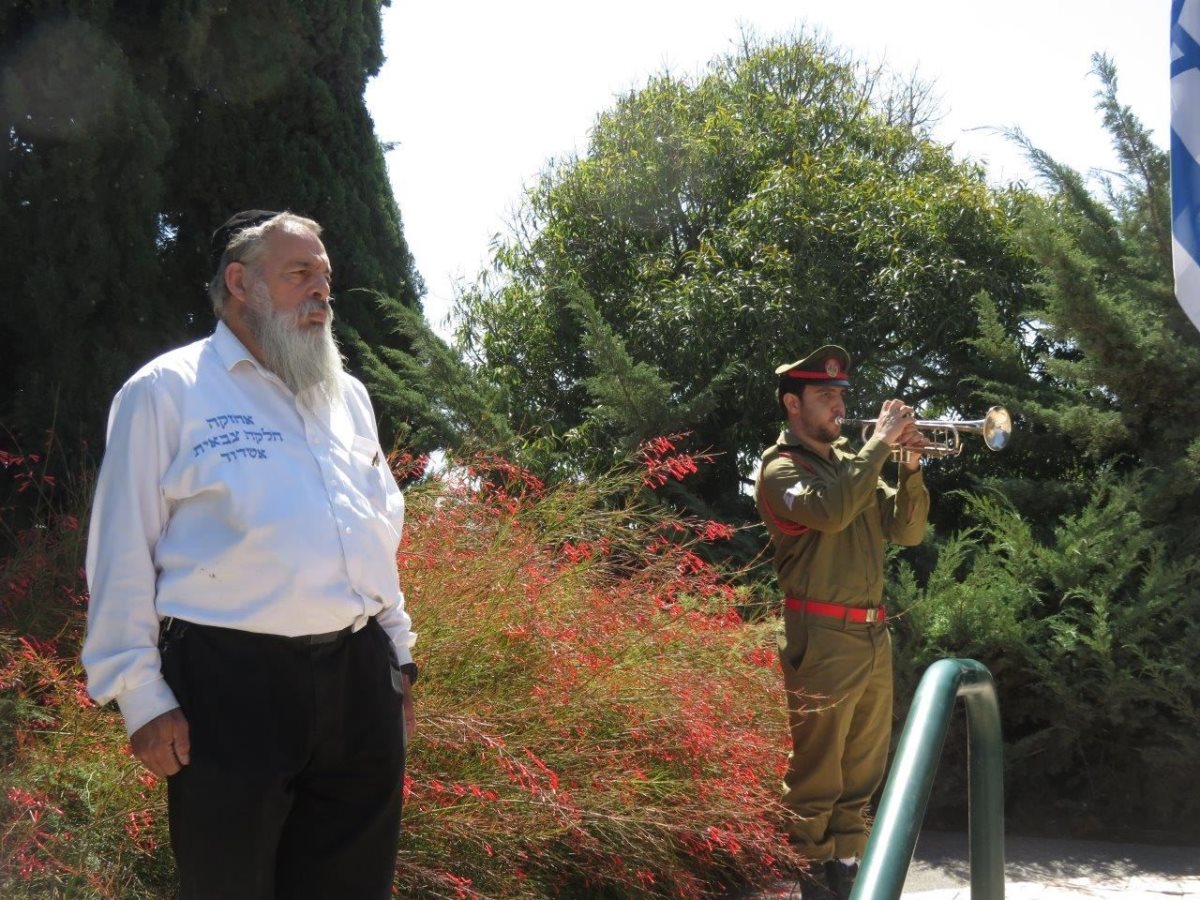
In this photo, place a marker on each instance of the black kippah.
(238, 222)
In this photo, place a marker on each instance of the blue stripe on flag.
(1185, 169)
(1185, 45)
(1185, 187)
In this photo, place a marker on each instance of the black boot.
(815, 884)
(840, 877)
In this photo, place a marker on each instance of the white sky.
(478, 95)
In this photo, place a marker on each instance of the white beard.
(305, 357)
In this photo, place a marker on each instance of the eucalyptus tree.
(720, 225)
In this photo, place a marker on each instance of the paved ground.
(1048, 869)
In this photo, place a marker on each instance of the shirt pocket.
(380, 487)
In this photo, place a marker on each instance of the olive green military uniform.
(828, 519)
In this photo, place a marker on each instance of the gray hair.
(248, 246)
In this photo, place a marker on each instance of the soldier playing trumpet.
(828, 513)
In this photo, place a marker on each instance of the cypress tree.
(80, 198)
(269, 112)
(134, 130)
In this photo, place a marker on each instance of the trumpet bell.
(997, 428)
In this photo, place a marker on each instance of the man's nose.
(321, 287)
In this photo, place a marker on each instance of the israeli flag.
(1185, 153)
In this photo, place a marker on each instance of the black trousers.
(296, 777)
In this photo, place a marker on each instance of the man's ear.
(235, 281)
(792, 403)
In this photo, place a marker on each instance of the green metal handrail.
(902, 809)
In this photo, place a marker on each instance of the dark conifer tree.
(81, 191)
(134, 130)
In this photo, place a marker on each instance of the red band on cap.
(817, 376)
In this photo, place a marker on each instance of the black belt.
(171, 624)
(308, 640)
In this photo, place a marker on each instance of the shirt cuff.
(145, 702)
(876, 450)
(403, 655)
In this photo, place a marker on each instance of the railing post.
(985, 762)
(902, 809)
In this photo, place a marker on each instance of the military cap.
(238, 222)
(828, 366)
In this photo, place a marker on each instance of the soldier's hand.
(895, 417)
(162, 744)
(913, 441)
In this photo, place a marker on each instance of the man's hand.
(410, 715)
(913, 441)
(162, 744)
(895, 417)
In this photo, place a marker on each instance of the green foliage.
(1115, 376)
(1092, 638)
(135, 130)
(81, 185)
(718, 226)
(629, 398)
(1078, 584)
(424, 395)
(271, 115)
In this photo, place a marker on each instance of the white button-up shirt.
(223, 500)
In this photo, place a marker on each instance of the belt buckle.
(873, 615)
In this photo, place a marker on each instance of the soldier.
(828, 513)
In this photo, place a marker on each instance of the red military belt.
(836, 610)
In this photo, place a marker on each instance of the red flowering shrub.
(593, 717)
(75, 818)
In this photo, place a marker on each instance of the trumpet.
(942, 435)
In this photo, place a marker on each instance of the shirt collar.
(231, 350)
(789, 441)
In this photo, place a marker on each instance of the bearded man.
(245, 609)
